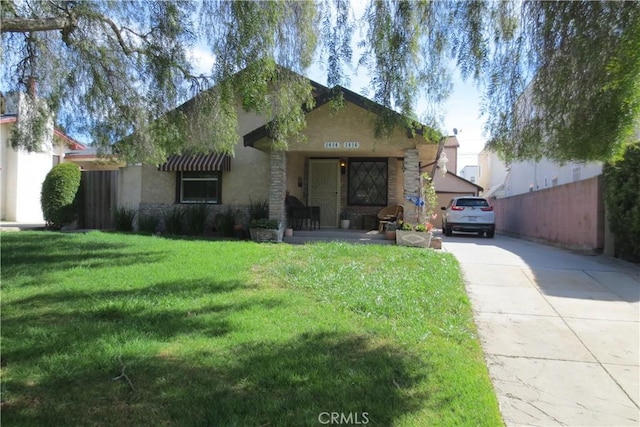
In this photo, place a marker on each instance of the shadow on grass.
(47, 323)
(291, 383)
(31, 254)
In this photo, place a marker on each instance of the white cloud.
(201, 59)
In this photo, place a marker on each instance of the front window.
(367, 184)
(199, 187)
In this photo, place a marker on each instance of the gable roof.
(71, 143)
(322, 95)
(457, 177)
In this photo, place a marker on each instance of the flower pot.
(266, 234)
(288, 232)
(344, 224)
(419, 239)
(390, 234)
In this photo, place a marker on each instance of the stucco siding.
(570, 215)
(32, 169)
(452, 155)
(296, 174)
(248, 179)
(4, 172)
(157, 187)
(524, 176)
(130, 185)
(22, 176)
(351, 124)
(399, 188)
(451, 184)
(492, 170)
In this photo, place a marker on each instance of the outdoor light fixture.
(343, 166)
(442, 163)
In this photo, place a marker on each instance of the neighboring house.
(340, 167)
(521, 177)
(450, 186)
(562, 204)
(504, 180)
(558, 204)
(493, 173)
(22, 173)
(524, 177)
(470, 172)
(88, 159)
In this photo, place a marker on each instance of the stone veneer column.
(278, 186)
(411, 184)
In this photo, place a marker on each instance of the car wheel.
(491, 233)
(447, 230)
(480, 233)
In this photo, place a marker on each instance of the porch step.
(338, 235)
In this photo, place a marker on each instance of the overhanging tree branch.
(28, 25)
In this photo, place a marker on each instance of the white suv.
(469, 213)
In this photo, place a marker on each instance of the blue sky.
(463, 112)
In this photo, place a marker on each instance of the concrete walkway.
(19, 226)
(560, 331)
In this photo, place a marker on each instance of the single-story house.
(340, 167)
(22, 172)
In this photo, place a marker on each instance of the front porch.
(364, 237)
(344, 186)
(357, 237)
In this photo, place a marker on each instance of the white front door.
(324, 189)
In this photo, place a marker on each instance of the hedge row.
(622, 196)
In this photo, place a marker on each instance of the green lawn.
(235, 334)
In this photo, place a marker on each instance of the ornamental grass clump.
(196, 217)
(148, 223)
(225, 222)
(173, 219)
(123, 218)
(265, 223)
(258, 209)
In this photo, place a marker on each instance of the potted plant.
(266, 230)
(418, 235)
(345, 222)
(390, 230)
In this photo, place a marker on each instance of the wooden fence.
(98, 199)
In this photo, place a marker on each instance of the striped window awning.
(197, 163)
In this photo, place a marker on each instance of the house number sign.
(334, 145)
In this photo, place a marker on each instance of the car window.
(472, 202)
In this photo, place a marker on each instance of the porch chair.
(298, 213)
(389, 214)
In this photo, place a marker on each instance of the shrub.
(265, 223)
(58, 194)
(123, 218)
(258, 209)
(196, 216)
(226, 222)
(148, 223)
(622, 186)
(173, 220)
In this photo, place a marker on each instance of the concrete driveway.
(560, 331)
